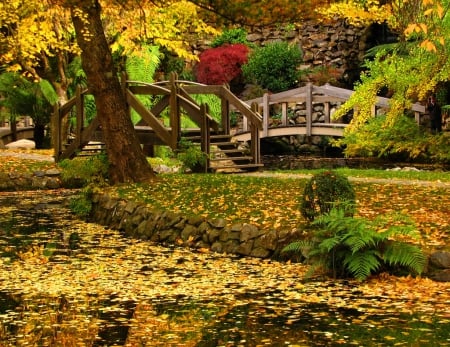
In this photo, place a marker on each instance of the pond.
(65, 282)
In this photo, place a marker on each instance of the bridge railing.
(309, 97)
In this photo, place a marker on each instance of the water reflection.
(68, 283)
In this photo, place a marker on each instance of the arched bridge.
(317, 103)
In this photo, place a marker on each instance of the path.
(288, 174)
(277, 174)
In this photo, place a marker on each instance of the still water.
(64, 282)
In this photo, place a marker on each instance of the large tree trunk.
(127, 160)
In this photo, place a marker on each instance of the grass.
(424, 175)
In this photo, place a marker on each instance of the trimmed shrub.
(222, 64)
(324, 191)
(231, 37)
(274, 66)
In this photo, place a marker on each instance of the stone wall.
(334, 44)
(16, 181)
(140, 221)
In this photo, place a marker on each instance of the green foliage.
(81, 204)
(231, 37)
(274, 66)
(344, 245)
(325, 190)
(82, 171)
(402, 139)
(141, 66)
(191, 156)
(408, 72)
(22, 97)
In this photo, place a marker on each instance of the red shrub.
(221, 64)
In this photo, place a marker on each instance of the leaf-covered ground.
(71, 283)
(68, 283)
(272, 201)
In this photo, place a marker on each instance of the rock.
(21, 144)
(441, 276)
(249, 232)
(440, 260)
(52, 172)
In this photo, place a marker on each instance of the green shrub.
(81, 171)
(347, 246)
(191, 156)
(325, 190)
(231, 37)
(274, 67)
(81, 204)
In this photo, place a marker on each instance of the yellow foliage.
(38, 30)
(356, 13)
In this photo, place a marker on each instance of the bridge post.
(205, 133)
(174, 111)
(309, 108)
(266, 113)
(79, 107)
(57, 145)
(284, 114)
(225, 113)
(255, 139)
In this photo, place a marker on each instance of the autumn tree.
(413, 68)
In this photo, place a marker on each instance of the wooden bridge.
(175, 97)
(328, 96)
(225, 148)
(8, 136)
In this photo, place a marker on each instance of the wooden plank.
(150, 118)
(254, 117)
(266, 113)
(309, 109)
(202, 89)
(148, 89)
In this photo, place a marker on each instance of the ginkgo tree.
(412, 69)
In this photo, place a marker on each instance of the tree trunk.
(127, 160)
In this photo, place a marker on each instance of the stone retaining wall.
(16, 181)
(140, 221)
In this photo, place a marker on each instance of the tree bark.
(126, 158)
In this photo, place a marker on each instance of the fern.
(355, 246)
(304, 247)
(141, 66)
(405, 255)
(362, 264)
